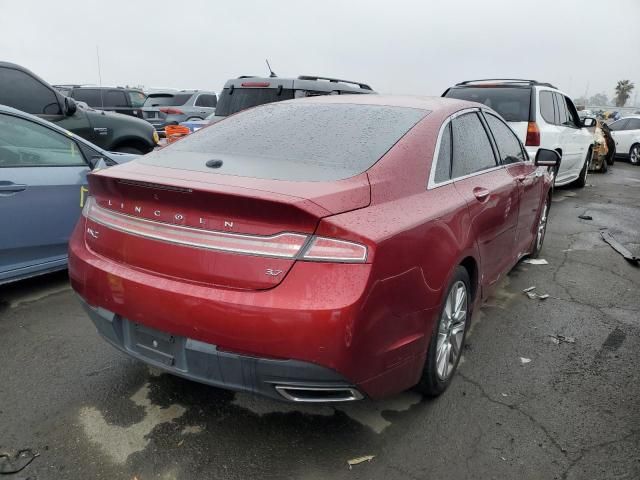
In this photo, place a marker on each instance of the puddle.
(367, 412)
(119, 442)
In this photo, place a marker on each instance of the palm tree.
(623, 92)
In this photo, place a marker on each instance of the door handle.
(481, 193)
(12, 187)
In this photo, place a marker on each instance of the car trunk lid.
(220, 230)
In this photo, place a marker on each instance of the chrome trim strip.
(194, 232)
(284, 390)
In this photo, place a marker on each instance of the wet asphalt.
(548, 389)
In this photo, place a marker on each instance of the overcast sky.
(400, 46)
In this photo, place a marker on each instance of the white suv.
(542, 116)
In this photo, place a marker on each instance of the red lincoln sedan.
(313, 250)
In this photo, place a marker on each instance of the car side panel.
(494, 219)
(38, 221)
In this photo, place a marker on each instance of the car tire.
(582, 178)
(447, 339)
(604, 168)
(541, 228)
(128, 149)
(634, 154)
(611, 157)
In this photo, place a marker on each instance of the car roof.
(302, 82)
(176, 92)
(445, 106)
(53, 126)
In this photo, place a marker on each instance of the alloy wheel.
(451, 330)
(634, 155)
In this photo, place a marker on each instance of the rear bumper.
(205, 363)
(322, 323)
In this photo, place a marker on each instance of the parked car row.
(334, 246)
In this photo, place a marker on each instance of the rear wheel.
(603, 168)
(541, 229)
(582, 179)
(447, 340)
(634, 154)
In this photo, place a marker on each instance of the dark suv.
(113, 99)
(23, 90)
(249, 91)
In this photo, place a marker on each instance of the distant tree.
(599, 99)
(623, 92)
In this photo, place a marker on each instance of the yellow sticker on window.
(83, 191)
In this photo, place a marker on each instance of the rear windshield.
(293, 141)
(167, 99)
(510, 102)
(243, 98)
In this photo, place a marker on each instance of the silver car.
(170, 107)
(43, 170)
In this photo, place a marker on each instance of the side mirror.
(589, 122)
(547, 158)
(70, 106)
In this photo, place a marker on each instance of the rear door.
(490, 192)
(573, 141)
(204, 105)
(525, 174)
(42, 172)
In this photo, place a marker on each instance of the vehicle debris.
(535, 261)
(585, 217)
(558, 339)
(529, 292)
(15, 463)
(618, 247)
(358, 460)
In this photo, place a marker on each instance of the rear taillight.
(171, 111)
(282, 245)
(533, 135)
(322, 249)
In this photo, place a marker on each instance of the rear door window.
(239, 99)
(90, 96)
(23, 92)
(509, 148)
(293, 141)
(512, 103)
(619, 125)
(472, 151)
(206, 100)
(633, 124)
(137, 98)
(443, 162)
(167, 99)
(115, 98)
(546, 107)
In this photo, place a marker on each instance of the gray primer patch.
(120, 442)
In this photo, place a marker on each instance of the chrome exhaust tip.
(304, 394)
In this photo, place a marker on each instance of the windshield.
(137, 98)
(167, 99)
(293, 141)
(511, 102)
(243, 98)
